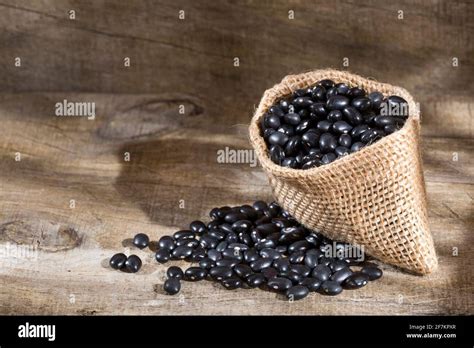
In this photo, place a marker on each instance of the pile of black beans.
(258, 246)
(316, 125)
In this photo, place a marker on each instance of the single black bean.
(342, 151)
(356, 281)
(337, 265)
(331, 288)
(341, 127)
(162, 255)
(311, 259)
(220, 272)
(270, 253)
(195, 274)
(334, 116)
(172, 286)
(317, 111)
(277, 110)
(302, 270)
(282, 265)
(183, 234)
(355, 92)
(198, 254)
(342, 88)
(214, 255)
(342, 275)
(166, 242)
(294, 277)
(357, 146)
(321, 272)
(297, 292)
(303, 126)
(312, 284)
(141, 240)
(327, 142)
(345, 140)
(286, 129)
(249, 211)
(118, 261)
(233, 253)
(243, 270)
(239, 246)
(241, 226)
(251, 255)
(207, 263)
(297, 256)
(255, 280)
(319, 93)
(268, 228)
(357, 131)
(197, 227)
(310, 139)
(260, 264)
(361, 103)
(373, 272)
(299, 245)
(397, 106)
(269, 272)
(279, 283)
(232, 237)
(328, 158)
(182, 252)
(133, 263)
(324, 126)
(175, 272)
(232, 283)
(292, 119)
(352, 115)
(337, 102)
(222, 246)
(389, 129)
(376, 99)
(326, 83)
(208, 242)
(278, 138)
(382, 121)
(272, 121)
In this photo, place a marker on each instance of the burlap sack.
(374, 197)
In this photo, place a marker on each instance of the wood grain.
(173, 158)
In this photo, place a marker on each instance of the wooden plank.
(174, 159)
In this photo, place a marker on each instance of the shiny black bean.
(342, 88)
(302, 102)
(241, 226)
(166, 242)
(251, 255)
(289, 162)
(299, 245)
(321, 272)
(297, 292)
(373, 272)
(133, 264)
(337, 265)
(357, 131)
(382, 121)
(389, 129)
(331, 288)
(197, 227)
(260, 264)
(172, 286)
(361, 103)
(294, 277)
(297, 256)
(292, 119)
(310, 139)
(327, 142)
(183, 234)
(345, 140)
(195, 274)
(270, 253)
(282, 265)
(268, 228)
(319, 93)
(397, 106)
(277, 110)
(341, 275)
(337, 102)
(232, 283)
(207, 263)
(357, 146)
(328, 158)
(231, 253)
(198, 254)
(324, 126)
(141, 240)
(356, 280)
(334, 116)
(341, 127)
(162, 255)
(342, 151)
(182, 252)
(311, 259)
(222, 246)
(303, 126)
(286, 129)
(255, 280)
(293, 146)
(352, 115)
(278, 138)
(279, 283)
(272, 121)
(302, 270)
(232, 237)
(312, 284)
(371, 135)
(118, 261)
(376, 99)
(220, 272)
(243, 270)
(227, 262)
(269, 272)
(208, 242)
(326, 83)
(214, 255)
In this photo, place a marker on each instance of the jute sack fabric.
(373, 198)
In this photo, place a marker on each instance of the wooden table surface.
(69, 199)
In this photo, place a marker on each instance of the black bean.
(357, 131)
(318, 111)
(272, 121)
(337, 102)
(188, 242)
(118, 261)
(277, 110)
(352, 115)
(251, 255)
(282, 265)
(297, 256)
(361, 103)
(260, 264)
(311, 259)
(326, 83)
(356, 92)
(238, 246)
(278, 138)
(166, 242)
(133, 263)
(319, 93)
(241, 226)
(328, 158)
(162, 255)
(376, 99)
(208, 242)
(267, 229)
(331, 288)
(197, 227)
(337, 265)
(342, 88)
(286, 129)
(341, 275)
(172, 286)
(321, 272)
(231, 253)
(255, 280)
(312, 284)
(195, 273)
(302, 270)
(342, 151)
(183, 234)
(310, 139)
(297, 292)
(182, 252)
(232, 283)
(292, 119)
(345, 140)
(198, 254)
(372, 272)
(279, 283)
(397, 106)
(299, 245)
(357, 146)
(382, 121)
(243, 270)
(141, 240)
(389, 129)
(324, 126)
(356, 281)
(220, 272)
(214, 255)
(289, 162)
(334, 116)
(270, 253)
(371, 135)
(342, 127)
(303, 126)
(260, 205)
(232, 237)
(207, 263)
(175, 272)
(281, 249)
(327, 142)
(227, 262)
(294, 277)
(222, 246)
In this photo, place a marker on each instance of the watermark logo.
(343, 251)
(399, 109)
(37, 331)
(75, 109)
(234, 156)
(10, 251)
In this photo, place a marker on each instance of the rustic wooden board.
(57, 261)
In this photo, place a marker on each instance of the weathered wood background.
(54, 258)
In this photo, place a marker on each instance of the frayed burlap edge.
(375, 197)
